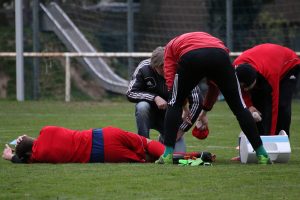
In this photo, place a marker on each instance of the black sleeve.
(136, 90)
(16, 159)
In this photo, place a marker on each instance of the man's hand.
(7, 153)
(255, 114)
(20, 138)
(161, 103)
(186, 115)
(202, 121)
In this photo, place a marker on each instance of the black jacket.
(146, 84)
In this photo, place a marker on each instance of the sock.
(168, 150)
(261, 151)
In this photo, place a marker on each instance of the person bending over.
(268, 76)
(188, 59)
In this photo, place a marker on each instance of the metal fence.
(69, 55)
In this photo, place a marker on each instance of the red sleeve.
(170, 66)
(211, 96)
(247, 98)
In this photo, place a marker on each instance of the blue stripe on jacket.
(97, 153)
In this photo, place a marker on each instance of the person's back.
(62, 145)
(270, 60)
(276, 68)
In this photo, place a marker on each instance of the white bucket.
(277, 146)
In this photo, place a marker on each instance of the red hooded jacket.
(62, 145)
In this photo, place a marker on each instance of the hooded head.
(246, 74)
(24, 148)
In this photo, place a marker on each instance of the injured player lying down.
(109, 144)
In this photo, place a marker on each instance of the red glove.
(200, 134)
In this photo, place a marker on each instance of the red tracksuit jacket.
(272, 62)
(62, 145)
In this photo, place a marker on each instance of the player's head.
(157, 60)
(24, 148)
(246, 75)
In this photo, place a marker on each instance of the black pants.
(213, 63)
(262, 100)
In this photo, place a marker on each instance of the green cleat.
(263, 160)
(165, 160)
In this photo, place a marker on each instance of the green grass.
(225, 180)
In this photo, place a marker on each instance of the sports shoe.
(165, 160)
(263, 160)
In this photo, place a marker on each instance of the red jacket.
(183, 44)
(272, 62)
(62, 145)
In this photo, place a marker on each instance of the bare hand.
(7, 153)
(253, 109)
(20, 138)
(255, 114)
(161, 103)
(202, 121)
(186, 116)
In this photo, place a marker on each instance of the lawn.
(224, 180)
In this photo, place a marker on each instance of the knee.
(142, 108)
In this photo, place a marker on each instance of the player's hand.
(161, 103)
(186, 115)
(202, 121)
(253, 109)
(255, 114)
(7, 153)
(20, 138)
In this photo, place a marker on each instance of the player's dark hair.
(24, 148)
(246, 74)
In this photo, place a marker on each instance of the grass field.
(224, 180)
